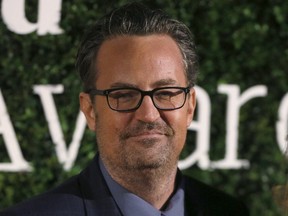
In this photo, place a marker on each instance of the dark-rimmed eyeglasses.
(130, 99)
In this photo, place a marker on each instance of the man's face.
(147, 138)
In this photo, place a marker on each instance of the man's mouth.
(147, 131)
(148, 134)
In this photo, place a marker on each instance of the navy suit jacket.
(88, 194)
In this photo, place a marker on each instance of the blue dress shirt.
(131, 205)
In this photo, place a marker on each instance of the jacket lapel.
(97, 198)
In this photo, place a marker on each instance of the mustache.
(143, 127)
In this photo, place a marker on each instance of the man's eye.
(167, 94)
(123, 95)
(163, 95)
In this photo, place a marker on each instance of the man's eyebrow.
(164, 82)
(159, 83)
(122, 85)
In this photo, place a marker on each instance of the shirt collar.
(131, 205)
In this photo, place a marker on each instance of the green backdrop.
(239, 42)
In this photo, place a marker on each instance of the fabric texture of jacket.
(87, 194)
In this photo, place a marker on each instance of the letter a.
(202, 127)
(66, 155)
(13, 13)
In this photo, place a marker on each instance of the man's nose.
(147, 112)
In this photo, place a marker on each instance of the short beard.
(133, 160)
(130, 166)
(129, 158)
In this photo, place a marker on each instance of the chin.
(144, 162)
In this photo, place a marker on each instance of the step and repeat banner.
(237, 141)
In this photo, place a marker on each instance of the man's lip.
(147, 134)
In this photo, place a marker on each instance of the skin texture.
(140, 149)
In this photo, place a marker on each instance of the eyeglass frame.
(143, 93)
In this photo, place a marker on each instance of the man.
(138, 68)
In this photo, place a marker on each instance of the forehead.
(134, 58)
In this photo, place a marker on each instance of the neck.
(155, 186)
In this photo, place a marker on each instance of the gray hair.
(134, 19)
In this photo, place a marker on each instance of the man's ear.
(191, 106)
(86, 106)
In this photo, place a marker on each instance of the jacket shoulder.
(63, 200)
(211, 201)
